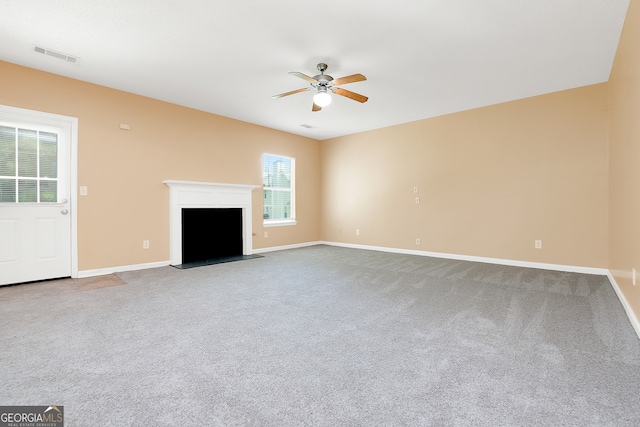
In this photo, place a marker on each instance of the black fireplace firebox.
(210, 234)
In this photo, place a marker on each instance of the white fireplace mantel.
(191, 194)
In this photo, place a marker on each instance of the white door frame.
(30, 117)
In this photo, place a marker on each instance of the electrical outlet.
(417, 200)
(538, 244)
(83, 190)
(145, 244)
(266, 234)
(357, 231)
(415, 189)
(418, 242)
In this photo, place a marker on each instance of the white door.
(35, 193)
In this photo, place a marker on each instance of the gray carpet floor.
(328, 336)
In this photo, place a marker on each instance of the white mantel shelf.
(193, 194)
(214, 185)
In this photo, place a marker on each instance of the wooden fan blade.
(349, 94)
(316, 107)
(290, 93)
(349, 79)
(304, 77)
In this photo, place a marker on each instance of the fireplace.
(211, 233)
(212, 210)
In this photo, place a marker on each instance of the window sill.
(280, 223)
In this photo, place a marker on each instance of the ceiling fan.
(324, 84)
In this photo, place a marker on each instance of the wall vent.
(55, 54)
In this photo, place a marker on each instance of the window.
(28, 165)
(278, 180)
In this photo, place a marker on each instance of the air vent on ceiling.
(59, 55)
(308, 126)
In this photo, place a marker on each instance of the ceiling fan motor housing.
(323, 80)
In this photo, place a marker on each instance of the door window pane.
(7, 151)
(7, 190)
(27, 153)
(27, 190)
(48, 191)
(48, 155)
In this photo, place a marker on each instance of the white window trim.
(288, 221)
(279, 222)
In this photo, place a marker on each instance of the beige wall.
(124, 170)
(624, 155)
(491, 181)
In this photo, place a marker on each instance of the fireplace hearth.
(211, 236)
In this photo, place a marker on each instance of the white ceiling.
(422, 58)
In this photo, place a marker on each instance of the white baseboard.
(556, 267)
(499, 261)
(285, 247)
(514, 263)
(111, 270)
(627, 308)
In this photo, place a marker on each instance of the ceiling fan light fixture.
(324, 84)
(322, 98)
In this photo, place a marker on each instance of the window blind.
(278, 176)
(28, 165)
